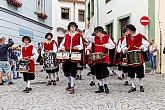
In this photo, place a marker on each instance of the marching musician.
(28, 52)
(102, 43)
(72, 42)
(119, 58)
(135, 41)
(50, 46)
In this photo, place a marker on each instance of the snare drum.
(49, 61)
(75, 56)
(22, 66)
(134, 58)
(97, 56)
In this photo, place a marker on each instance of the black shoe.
(49, 83)
(3, 81)
(77, 77)
(132, 90)
(26, 90)
(141, 89)
(68, 87)
(101, 89)
(126, 83)
(89, 73)
(14, 78)
(30, 89)
(80, 77)
(46, 77)
(1, 84)
(41, 70)
(106, 89)
(54, 82)
(123, 76)
(57, 79)
(120, 78)
(10, 83)
(92, 83)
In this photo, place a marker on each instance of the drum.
(76, 56)
(134, 58)
(49, 60)
(97, 56)
(22, 66)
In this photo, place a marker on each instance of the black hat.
(49, 34)
(131, 27)
(99, 29)
(26, 37)
(72, 24)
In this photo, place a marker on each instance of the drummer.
(122, 69)
(50, 46)
(28, 52)
(135, 41)
(72, 42)
(102, 43)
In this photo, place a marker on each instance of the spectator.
(153, 53)
(4, 64)
(13, 57)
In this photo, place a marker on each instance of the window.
(109, 28)
(65, 13)
(89, 11)
(81, 15)
(123, 23)
(106, 1)
(40, 8)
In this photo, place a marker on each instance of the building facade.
(25, 17)
(65, 11)
(114, 15)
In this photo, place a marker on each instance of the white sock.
(133, 82)
(120, 73)
(141, 81)
(100, 82)
(54, 76)
(105, 81)
(69, 79)
(93, 78)
(72, 81)
(28, 84)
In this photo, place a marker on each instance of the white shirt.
(89, 37)
(145, 45)
(80, 47)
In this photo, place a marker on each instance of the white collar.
(72, 34)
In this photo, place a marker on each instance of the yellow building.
(160, 33)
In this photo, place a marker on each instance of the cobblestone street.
(45, 97)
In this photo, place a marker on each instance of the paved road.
(45, 97)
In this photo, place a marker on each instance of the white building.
(19, 19)
(114, 15)
(65, 11)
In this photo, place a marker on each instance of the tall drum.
(22, 66)
(49, 61)
(134, 58)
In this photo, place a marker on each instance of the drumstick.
(98, 45)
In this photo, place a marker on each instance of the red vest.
(49, 46)
(75, 41)
(135, 43)
(98, 47)
(27, 52)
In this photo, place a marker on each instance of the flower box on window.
(15, 3)
(42, 15)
